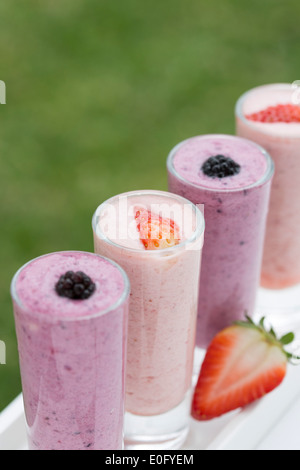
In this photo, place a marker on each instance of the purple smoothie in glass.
(235, 198)
(72, 352)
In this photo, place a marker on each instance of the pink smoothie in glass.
(281, 261)
(72, 353)
(235, 210)
(164, 296)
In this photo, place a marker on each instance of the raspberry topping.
(156, 232)
(220, 167)
(75, 285)
(279, 113)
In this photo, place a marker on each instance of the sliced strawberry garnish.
(279, 113)
(243, 363)
(156, 232)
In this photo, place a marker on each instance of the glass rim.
(239, 106)
(264, 179)
(197, 233)
(54, 319)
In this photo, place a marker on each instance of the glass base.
(281, 307)
(161, 432)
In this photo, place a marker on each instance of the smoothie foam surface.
(35, 285)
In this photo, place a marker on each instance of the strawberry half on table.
(156, 232)
(243, 363)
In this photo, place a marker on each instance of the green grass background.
(98, 92)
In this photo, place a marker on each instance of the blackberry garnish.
(220, 167)
(75, 285)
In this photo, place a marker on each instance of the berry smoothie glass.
(157, 238)
(232, 178)
(71, 312)
(270, 116)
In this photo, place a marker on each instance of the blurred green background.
(98, 92)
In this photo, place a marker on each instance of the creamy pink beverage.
(71, 321)
(232, 178)
(163, 272)
(270, 116)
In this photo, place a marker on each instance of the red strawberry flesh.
(281, 113)
(156, 232)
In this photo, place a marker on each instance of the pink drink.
(163, 302)
(235, 210)
(72, 353)
(281, 261)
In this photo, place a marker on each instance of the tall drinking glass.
(270, 116)
(232, 178)
(71, 312)
(157, 238)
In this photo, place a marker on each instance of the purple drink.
(72, 351)
(234, 187)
